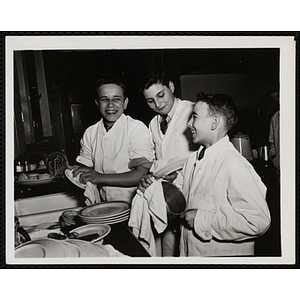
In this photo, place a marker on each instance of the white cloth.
(177, 141)
(163, 167)
(110, 152)
(230, 199)
(147, 206)
(92, 194)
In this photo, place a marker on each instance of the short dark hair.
(220, 104)
(154, 76)
(110, 79)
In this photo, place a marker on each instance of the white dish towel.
(147, 206)
(92, 194)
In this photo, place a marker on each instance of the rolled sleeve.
(85, 154)
(141, 144)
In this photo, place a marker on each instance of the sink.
(46, 208)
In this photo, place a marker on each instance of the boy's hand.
(145, 182)
(189, 216)
(171, 177)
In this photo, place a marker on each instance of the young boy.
(171, 137)
(117, 151)
(226, 207)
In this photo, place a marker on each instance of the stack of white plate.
(46, 248)
(68, 218)
(111, 212)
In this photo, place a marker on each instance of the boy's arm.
(243, 214)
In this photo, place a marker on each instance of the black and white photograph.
(142, 150)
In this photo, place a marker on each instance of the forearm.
(126, 179)
(238, 213)
(223, 223)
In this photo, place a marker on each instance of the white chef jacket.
(177, 141)
(110, 152)
(230, 198)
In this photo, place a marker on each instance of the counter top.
(58, 185)
(120, 237)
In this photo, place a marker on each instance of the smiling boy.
(116, 151)
(226, 206)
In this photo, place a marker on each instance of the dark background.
(70, 77)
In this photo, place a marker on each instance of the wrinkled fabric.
(92, 194)
(230, 200)
(177, 141)
(110, 152)
(144, 208)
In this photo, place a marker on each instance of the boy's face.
(160, 98)
(200, 124)
(111, 102)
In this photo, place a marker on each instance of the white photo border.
(286, 44)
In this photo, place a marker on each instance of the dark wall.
(71, 76)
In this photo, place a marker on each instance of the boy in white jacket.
(171, 138)
(226, 206)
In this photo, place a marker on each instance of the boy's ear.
(126, 103)
(172, 86)
(215, 122)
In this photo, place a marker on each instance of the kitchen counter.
(45, 203)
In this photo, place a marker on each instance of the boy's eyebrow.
(160, 92)
(114, 96)
(150, 98)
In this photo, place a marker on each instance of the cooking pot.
(174, 199)
(242, 143)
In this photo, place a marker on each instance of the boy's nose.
(157, 104)
(190, 122)
(110, 102)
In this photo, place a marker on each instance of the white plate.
(35, 182)
(108, 222)
(102, 230)
(69, 174)
(71, 250)
(87, 249)
(30, 251)
(51, 248)
(105, 209)
(171, 167)
(106, 218)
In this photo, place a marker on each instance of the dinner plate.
(35, 182)
(87, 249)
(107, 222)
(51, 248)
(69, 174)
(104, 209)
(101, 230)
(71, 250)
(171, 167)
(127, 212)
(30, 251)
